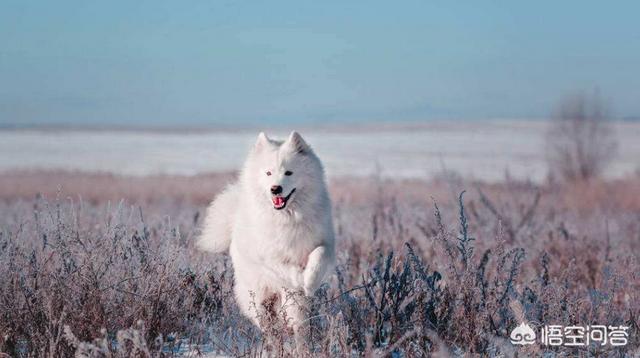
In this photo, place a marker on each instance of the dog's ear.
(296, 143)
(262, 141)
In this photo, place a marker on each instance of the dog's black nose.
(276, 189)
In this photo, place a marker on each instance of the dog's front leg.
(320, 261)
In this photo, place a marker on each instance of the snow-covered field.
(480, 150)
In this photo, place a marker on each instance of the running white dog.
(276, 223)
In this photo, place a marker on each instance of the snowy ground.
(481, 150)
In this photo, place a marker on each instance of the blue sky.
(211, 62)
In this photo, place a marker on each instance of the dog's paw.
(310, 285)
(309, 291)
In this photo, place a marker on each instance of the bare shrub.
(580, 142)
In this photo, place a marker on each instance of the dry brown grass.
(101, 187)
(82, 272)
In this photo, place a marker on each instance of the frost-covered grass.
(106, 266)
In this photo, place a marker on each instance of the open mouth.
(279, 202)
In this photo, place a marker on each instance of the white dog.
(276, 223)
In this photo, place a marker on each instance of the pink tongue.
(278, 201)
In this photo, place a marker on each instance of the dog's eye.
(288, 172)
(268, 173)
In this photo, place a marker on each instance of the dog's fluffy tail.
(218, 221)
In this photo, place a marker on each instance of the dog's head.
(284, 172)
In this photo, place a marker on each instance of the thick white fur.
(218, 221)
(274, 252)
